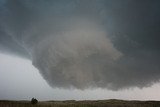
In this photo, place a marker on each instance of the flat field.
(85, 103)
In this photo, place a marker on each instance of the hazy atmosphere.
(79, 49)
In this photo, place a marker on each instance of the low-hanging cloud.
(85, 43)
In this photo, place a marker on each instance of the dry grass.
(87, 103)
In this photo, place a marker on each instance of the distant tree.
(34, 101)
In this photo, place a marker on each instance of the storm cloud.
(85, 43)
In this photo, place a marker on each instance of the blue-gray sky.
(82, 45)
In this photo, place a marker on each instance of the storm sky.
(81, 45)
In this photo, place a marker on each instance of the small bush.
(34, 101)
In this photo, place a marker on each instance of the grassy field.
(87, 103)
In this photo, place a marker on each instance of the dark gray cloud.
(85, 43)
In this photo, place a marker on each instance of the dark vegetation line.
(84, 103)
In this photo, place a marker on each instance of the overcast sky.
(21, 81)
(79, 49)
